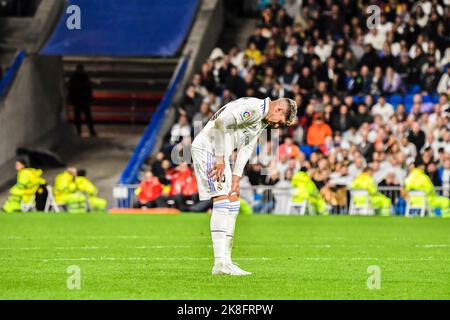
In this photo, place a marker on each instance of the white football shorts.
(208, 188)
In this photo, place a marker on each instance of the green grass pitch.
(170, 257)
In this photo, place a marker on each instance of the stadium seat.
(408, 107)
(300, 208)
(307, 150)
(50, 204)
(426, 99)
(28, 206)
(409, 98)
(417, 200)
(360, 203)
(395, 99)
(358, 99)
(282, 200)
(414, 89)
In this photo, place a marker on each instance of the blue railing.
(9, 74)
(149, 138)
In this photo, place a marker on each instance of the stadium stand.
(375, 98)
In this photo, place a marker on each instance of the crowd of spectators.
(368, 97)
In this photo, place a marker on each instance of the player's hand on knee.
(218, 169)
(235, 189)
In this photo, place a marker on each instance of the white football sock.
(231, 224)
(218, 226)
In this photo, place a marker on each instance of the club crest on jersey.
(246, 115)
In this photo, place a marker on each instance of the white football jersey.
(242, 119)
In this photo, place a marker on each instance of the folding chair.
(300, 207)
(88, 202)
(360, 203)
(51, 204)
(417, 200)
(282, 200)
(28, 206)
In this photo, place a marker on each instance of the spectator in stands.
(201, 117)
(318, 131)
(376, 85)
(183, 187)
(180, 129)
(430, 78)
(191, 102)
(80, 95)
(235, 83)
(444, 176)
(199, 88)
(288, 149)
(335, 195)
(148, 191)
(443, 86)
(362, 116)
(343, 121)
(289, 78)
(416, 136)
(392, 82)
(383, 108)
(253, 53)
(408, 149)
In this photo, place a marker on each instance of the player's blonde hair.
(291, 112)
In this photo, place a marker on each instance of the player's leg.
(232, 214)
(216, 190)
(218, 225)
(231, 225)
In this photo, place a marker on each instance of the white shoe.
(228, 269)
(221, 269)
(238, 271)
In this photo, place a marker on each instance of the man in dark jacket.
(80, 95)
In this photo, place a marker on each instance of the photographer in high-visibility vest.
(417, 180)
(66, 194)
(379, 202)
(85, 186)
(307, 190)
(28, 182)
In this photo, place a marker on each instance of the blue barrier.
(122, 27)
(148, 140)
(8, 76)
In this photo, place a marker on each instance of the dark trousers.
(150, 204)
(85, 109)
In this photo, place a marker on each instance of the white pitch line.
(399, 259)
(432, 245)
(95, 248)
(147, 259)
(209, 246)
(372, 258)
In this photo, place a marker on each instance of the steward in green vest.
(306, 190)
(379, 202)
(28, 182)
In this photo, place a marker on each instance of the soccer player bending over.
(237, 125)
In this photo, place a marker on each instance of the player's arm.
(221, 124)
(237, 112)
(243, 156)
